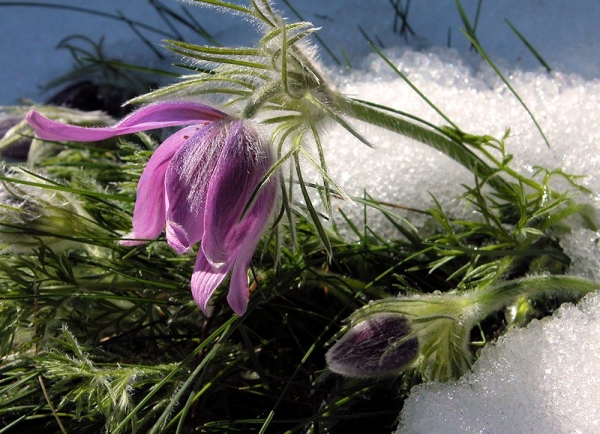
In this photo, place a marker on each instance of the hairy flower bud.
(34, 215)
(379, 345)
(13, 144)
(428, 333)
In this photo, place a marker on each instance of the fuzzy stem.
(260, 98)
(449, 146)
(492, 298)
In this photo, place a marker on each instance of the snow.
(540, 379)
(405, 173)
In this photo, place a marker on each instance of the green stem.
(260, 98)
(452, 147)
(525, 180)
(492, 298)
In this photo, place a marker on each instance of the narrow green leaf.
(529, 46)
(415, 88)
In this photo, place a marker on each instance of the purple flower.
(197, 186)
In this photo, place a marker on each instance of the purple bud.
(377, 346)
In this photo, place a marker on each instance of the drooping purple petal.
(158, 115)
(239, 293)
(149, 211)
(186, 182)
(242, 164)
(205, 280)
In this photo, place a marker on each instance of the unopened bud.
(379, 345)
(34, 215)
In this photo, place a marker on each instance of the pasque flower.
(197, 186)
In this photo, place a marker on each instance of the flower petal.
(205, 280)
(186, 185)
(149, 211)
(159, 115)
(242, 164)
(239, 293)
